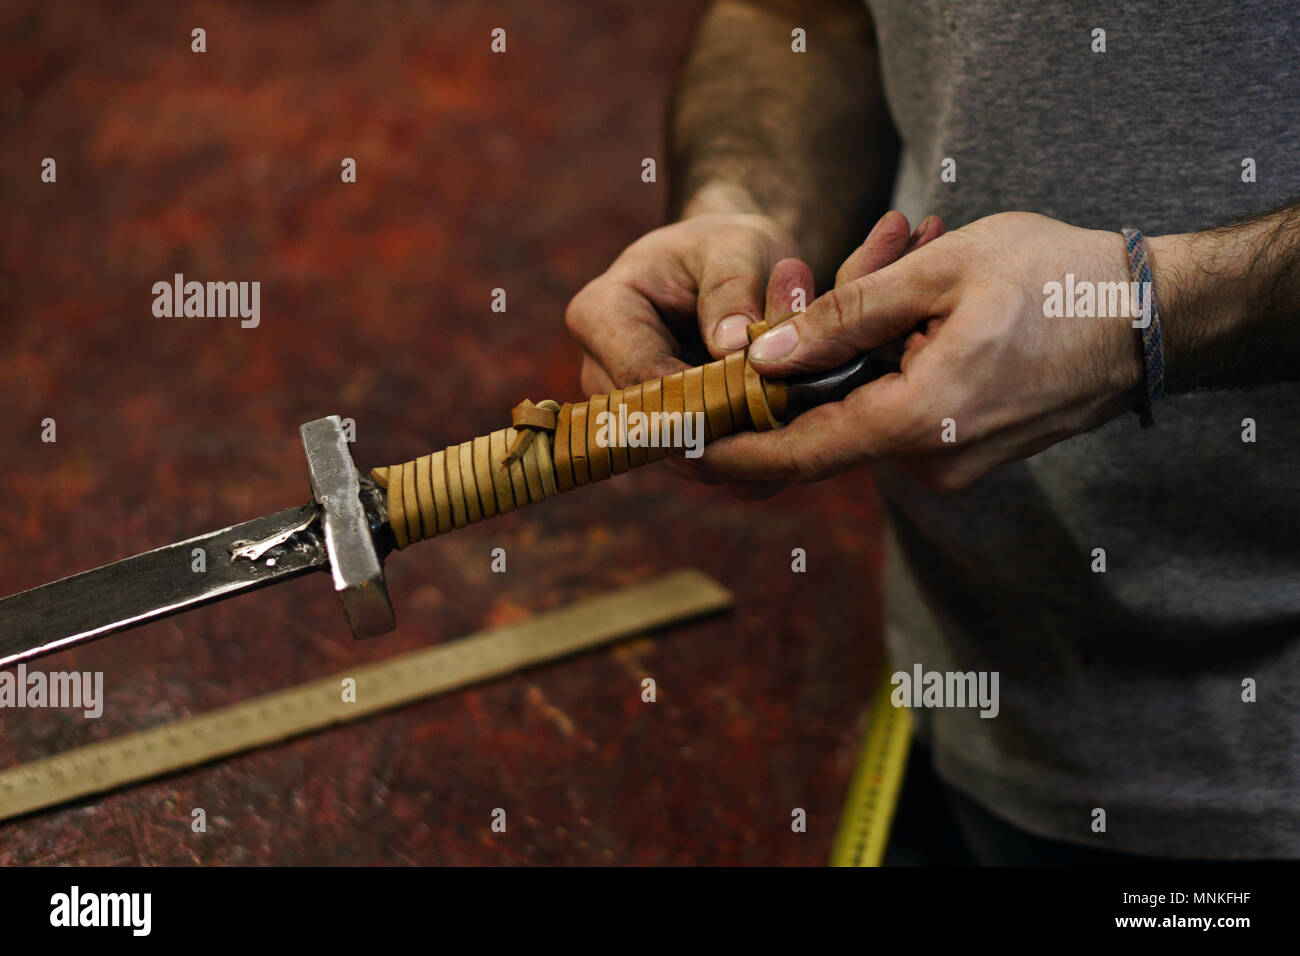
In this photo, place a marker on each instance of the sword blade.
(160, 583)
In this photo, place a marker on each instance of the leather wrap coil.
(553, 448)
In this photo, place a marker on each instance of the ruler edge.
(875, 738)
(713, 598)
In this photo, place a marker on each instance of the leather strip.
(597, 455)
(775, 394)
(560, 449)
(578, 445)
(759, 414)
(532, 474)
(618, 457)
(528, 415)
(518, 483)
(636, 456)
(529, 419)
(693, 383)
(487, 489)
(468, 483)
(734, 365)
(396, 513)
(505, 494)
(716, 404)
(459, 513)
(441, 498)
(410, 503)
(546, 467)
(652, 403)
(674, 403)
(424, 497)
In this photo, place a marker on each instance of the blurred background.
(474, 171)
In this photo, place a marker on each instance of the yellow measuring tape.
(873, 791)
(381, 686)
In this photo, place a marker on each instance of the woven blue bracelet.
(1153, 353)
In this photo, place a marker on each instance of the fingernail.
(876, 227)
(777, 344)
(730, 332)
(921, 229)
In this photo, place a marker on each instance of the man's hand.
(731, 270)
(634, 320)
(986, 377)
(773, 155)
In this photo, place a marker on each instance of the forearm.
(801, 137)
(1229, 300)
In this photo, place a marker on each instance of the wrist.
(726, 197)
(1168, 256)
(719, 196)
(1125, 361)
(812, 233)
(1196, 304)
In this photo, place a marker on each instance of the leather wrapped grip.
(480, 478)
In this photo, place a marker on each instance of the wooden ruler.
(381, 686)
(873, 792)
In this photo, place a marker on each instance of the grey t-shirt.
(1120, 690)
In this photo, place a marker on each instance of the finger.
(875, 422)
(927, 230)
(732, 285)
(694, 469)
(911, 348)
(883, 245)
(593, 378)
(622, 333)
(917, 341)
(699, 469)
(859, 315)
(789, 289)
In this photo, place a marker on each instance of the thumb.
(849, 320)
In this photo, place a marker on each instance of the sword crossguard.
(355, 562)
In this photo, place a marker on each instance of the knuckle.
(841, 306)
(806, 471)
(803, 467)
(728, 273)
(713, 283)
(730, 292)
(802, 470)
(784, 463)
(577, 314)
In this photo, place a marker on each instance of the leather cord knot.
(529, 419)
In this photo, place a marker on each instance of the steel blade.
(160, 583)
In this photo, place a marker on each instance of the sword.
(340, 530)
(355, 521)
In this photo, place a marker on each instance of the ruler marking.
(381, 686)
(873, 791)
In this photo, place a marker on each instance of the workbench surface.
(475, 171)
